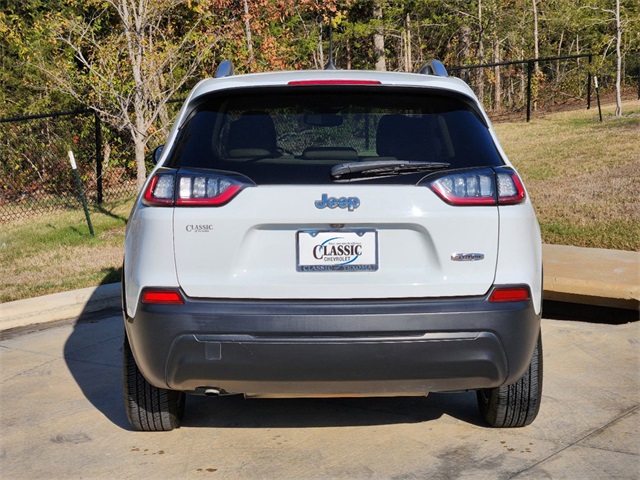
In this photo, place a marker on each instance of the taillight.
(191, 188)
(162, 297)
(466, 187)
(509, 294)
(478, 187)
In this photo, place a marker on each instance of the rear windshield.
(295, 135)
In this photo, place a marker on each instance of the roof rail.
(434, 67)
(225, 69)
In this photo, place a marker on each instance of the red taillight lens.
(162, 297)
(191, 189)
(509, 294)
(479, 187)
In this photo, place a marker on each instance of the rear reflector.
(334, 82)
(163, 297)
(509, 294)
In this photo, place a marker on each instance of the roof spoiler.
(434, 67)
(225, 69)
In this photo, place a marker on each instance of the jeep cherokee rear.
(332, 233)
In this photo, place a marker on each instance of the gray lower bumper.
(295, 348)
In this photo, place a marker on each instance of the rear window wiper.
(381, 168)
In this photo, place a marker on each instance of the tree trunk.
(558, 54)
(378, 37)
(139, 126)
(536, 50)
(497, 93)
(480, 84)
(464, 54)
(402, 51)
(409, 53)
(536, 40)
(523, 79)
(141, 169)
(247, 28)
(320, 50)
(140, 139)
(618, 61)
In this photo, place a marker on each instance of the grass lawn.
(55, 252)
(582, 176)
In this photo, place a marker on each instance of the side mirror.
(157, 153)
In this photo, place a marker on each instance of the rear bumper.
(297, 348)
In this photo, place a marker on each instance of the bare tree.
(620, 24)
(536, 49)
(408, 60)
(536, 39)
(378, 37)
(129, 73)
(480, 80)
(247, 28)
(618, 60)
(497, 93)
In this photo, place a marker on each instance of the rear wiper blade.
(381, 168)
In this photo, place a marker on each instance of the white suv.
(332, 233)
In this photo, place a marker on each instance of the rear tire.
(515, 405)
(149, 408)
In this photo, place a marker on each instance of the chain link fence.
(36, 177)
(526, 88)
(35, 172)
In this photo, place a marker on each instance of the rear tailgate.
(267, 244)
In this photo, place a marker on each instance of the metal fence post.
(638, 76)
(529, 72)
(98, 127)
(589, 82)
(31, 197)
(598, 97)
(83, 200)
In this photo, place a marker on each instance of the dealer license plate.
(330, 251)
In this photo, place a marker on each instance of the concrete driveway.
(62, 417)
